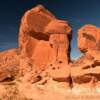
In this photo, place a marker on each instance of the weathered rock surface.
(41, 66)
(44, 49)
(9, 64)
(89, 39)
(86, 70)
(46, 41)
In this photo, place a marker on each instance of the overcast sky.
(76, 12)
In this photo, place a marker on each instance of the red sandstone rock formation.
(86, 70)
(44, 47)
(45, 40)
(43, 58)
(9, 64)
(89, 40)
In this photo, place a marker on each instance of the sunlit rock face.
(44, 49)
(89, 40)
(46, 41)
(86, 70)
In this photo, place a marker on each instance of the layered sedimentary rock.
(86, 70)
(46, 41)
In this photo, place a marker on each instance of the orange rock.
(45, 39)
(89, 38)
(9, 64)
(44, 55)
(86, 70)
